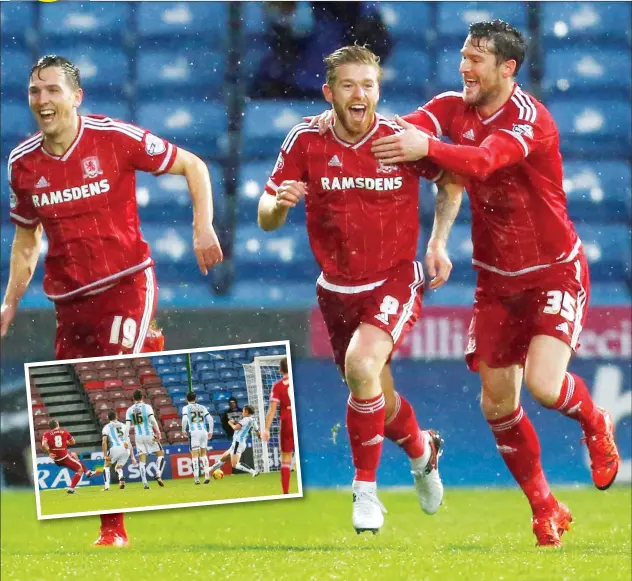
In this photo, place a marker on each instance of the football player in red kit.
(363, 227)
(75, 180)
(533, 284)
(55, 443)
(281, 398)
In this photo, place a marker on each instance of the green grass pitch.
(178, 491)
(478, 535)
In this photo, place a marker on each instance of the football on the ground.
(218, 474)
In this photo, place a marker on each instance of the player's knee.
(544, 388)
(360, 369)
(495, 404)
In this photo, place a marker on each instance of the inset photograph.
(166, 430)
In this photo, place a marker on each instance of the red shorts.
(71, 461)
(287, 436)
(510, 311)
(394, 305)
(113, 322)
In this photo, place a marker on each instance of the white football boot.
(426, 474)
(368, 511)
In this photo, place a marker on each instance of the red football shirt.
(362, 215)
(86, 202)
(281, 393)
(57, 441)
(520, 221)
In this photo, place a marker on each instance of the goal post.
(261, 375)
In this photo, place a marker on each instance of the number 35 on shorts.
(127, 328)
(562, 303)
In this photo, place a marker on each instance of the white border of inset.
(297, 457)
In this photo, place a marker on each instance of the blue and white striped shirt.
(197, 418)
(248, 424)
(139, 415)
(115, 433)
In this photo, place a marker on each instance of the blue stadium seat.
(216, 419)
(598, 191)
(607, 248)
(176, 390)
(163, 369)
(228, 374)
(204, 366)
(115, 109)
(267, 123)
(208, 376)
(173, 378)
(178, 358)
(221, 396)
(449, 78)
(239, 394)
(180, 368)
(407, 71)
(197, 357)
(254, 19)
(218, 431)
(170, 24)
(194, 124)
(17, 23)
(600, 128)
(581, 22)
(588, 70)
(454, 18)
(160, 360)
(99, 69)
(222, 364)
(188, 69)
(203, 398)
(17, 123)
(16, 65)
(284, 253)
(180, 400)
(166, 198)
(239, 385)
(222, 406)
(408, 22)
(272, 350)
(215, 386)
(235, 354)
(89, 21)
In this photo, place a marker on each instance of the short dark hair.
(111, 415)
(283, 365)
(71, 72)
(249, 409)
(53, 424)
(137, 395)
(191, 396)
(509, 44)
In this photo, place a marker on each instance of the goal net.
(261, 375)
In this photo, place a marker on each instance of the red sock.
(75, 479)
(365, 425)
(402, 428)
(113, 523)
(285, 478)
(519, 446)
(575, 402)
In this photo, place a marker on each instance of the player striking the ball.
(55, 443)
(280, 397)
(243, 428)
(75, 180)
(363, 227)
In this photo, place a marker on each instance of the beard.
(347, 122)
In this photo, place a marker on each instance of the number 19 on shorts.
(127, 328)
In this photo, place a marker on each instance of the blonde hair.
(348, 55)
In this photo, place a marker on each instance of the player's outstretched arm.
(206, 245)
(265, 434)
(185, 423)
(24, 254)
(273, 210)
(104, 446)
(448, 202)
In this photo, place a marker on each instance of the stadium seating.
(407, 71)
(608, 251)
(583, 22)
(16, 63)
(403, 20)
(17, 26)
